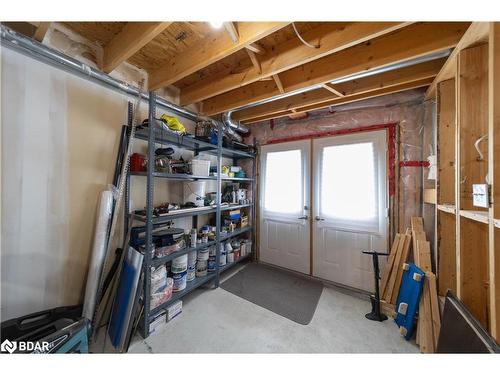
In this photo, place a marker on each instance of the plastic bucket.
(194, 191)
(180, 280)
(230, 257)
(180, 264)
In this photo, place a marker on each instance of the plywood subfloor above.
(97, 32)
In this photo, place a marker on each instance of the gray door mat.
(282, 292)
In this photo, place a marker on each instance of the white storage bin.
(200, 167)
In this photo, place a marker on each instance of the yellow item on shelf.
(173, 124)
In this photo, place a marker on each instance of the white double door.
(323, 202)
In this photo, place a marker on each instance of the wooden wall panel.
(446, 141)
(447, 265)
(473, 119)
(474, 268)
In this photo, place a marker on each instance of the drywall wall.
(60, 136)
(406, 109)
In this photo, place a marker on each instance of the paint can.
(191, 272)
(230, 258)
(212, 251)
(192, 258)
(211, 265)
(180, 264)
(203, 254)
(180, 280)
(201, 268)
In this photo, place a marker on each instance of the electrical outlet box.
(480, 195)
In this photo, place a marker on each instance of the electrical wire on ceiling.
(302, 39)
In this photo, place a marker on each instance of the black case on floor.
(62, 327)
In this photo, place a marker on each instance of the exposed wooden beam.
(254, 47)
(333, 37)
(346, 99)
(209, 50)
(328, 87)
(131, 39)
(41, 30)
(255, 61)
(232, 31)
(279, 85)
(268, 117)
(405, 44)
(475, 34)
(493, 162)
(376, 82)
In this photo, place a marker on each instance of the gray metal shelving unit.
(154, 136)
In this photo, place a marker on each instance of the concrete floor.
(216, 321)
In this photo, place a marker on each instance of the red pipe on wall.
(414, 163)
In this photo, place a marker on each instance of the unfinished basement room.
(250, 186)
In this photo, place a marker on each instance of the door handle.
(303, 217)
(317, 218)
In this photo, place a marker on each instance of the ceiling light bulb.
(216, 24)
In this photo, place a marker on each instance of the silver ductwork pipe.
(238, 126)
(387, 68)
(41, 52)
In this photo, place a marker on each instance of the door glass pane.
(283, 182)
(349, 183)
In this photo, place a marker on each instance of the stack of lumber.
(393, 273)
(429, 320)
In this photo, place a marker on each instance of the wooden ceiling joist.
(209, 50)
(347, 99)
(41, 30)
(254, 47)
(367, 84)
(279, 85)
(408, 43)
(332, 37)
(476, 33)
(131, 39)
(232, 31)
(329, 87)
(255, 60)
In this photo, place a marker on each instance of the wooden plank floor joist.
(426, 332)
(392, 278)
(399, 270)
(424, 255)
(390, 264)
(417, 224)
(416, 237)
(435, 312)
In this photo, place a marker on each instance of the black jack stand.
(375, 314)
